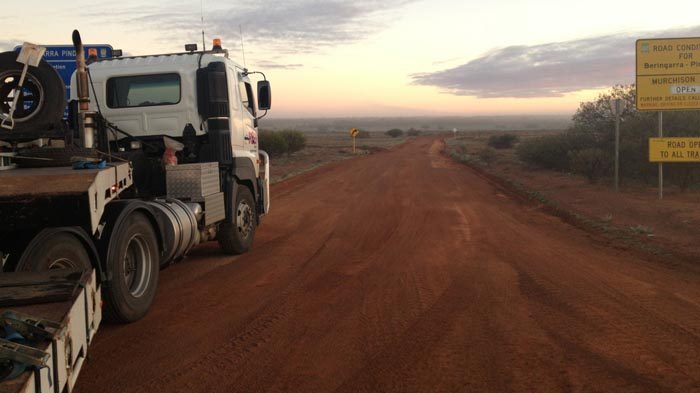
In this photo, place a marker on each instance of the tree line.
(587, 146)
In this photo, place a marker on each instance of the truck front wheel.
(59, 251)
(236, 237)
(133, 262)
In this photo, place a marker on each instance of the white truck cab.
(157, 95)
(159, 153)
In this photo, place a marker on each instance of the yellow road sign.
(674, 149)
(668, 74)
(354, 132)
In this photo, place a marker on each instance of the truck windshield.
(143, 90)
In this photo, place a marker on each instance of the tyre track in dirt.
(404, 271)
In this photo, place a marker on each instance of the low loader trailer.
(49, 319)
(159, 154)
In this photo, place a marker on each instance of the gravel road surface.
(403, 271)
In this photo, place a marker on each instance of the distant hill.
(474, 123)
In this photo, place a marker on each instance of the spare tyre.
(42, 99)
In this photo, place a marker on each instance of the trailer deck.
(63, 310)
(59, 181)
(99, 186)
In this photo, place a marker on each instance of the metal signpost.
(618, 106)
(661, 164)
(668, 78)
(353, 134)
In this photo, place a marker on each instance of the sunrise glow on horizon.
(400, 58)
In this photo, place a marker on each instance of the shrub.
(413, 132)
(683, 175)
(505, 141)
(281, 142)
(363, 134)
(273, 143)
(552, 151)
(394, 132)
(487, 155)
(593, 127)
(549, 152)
(296, 140)
(592, 163)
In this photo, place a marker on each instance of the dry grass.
(671, 224)
(326, 147)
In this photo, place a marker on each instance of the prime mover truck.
(159, 153)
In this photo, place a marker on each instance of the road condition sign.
(668, 74)
(62, 58)
(674, 149)
(354, 132)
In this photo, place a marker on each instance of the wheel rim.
(62, 263)
(244, 218)
(30, 101)
(137, 266)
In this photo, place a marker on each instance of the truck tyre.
(60, 251)
(44, 94)
(236, 237)
(133, 263)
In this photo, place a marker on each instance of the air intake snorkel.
(86, 119)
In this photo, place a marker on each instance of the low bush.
(487, 155)
(593, 163)
(296, 140)
(272, 142)
(363, 134)
(394, 132)
(505, 141)
(413, 132)
(550, 152)
(277, 143)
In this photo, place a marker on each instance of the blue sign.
(62, 58)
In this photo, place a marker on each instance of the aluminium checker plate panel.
(214, 208)
(192, 181)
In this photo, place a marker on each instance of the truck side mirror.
(264, 95)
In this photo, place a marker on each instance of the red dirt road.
(405, 272)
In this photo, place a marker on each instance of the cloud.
(7, 45)
(264, 64)
(546, 70)
(285, 27)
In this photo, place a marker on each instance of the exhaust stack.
(86, 119)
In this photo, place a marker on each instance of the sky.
(385, 58)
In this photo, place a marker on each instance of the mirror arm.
(260, 117)
(246, 73)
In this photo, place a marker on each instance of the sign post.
(661, 164)
(617, 106)
(668, 74)
(668, 78)
(62, 59)
(674, 149)
(353, 134)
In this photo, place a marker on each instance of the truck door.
(250, 133)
